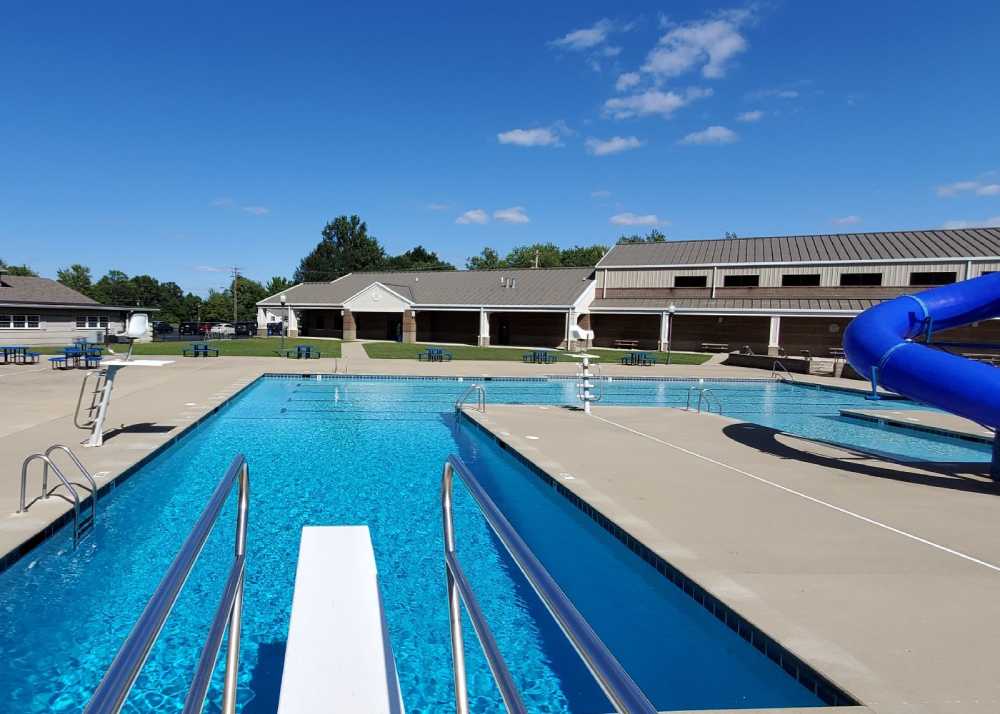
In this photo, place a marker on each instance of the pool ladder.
(705, 396)
(480, 393)
(779, 367)
(620, 689)
(82, 524)
(96, 398)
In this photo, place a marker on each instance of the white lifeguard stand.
(97, 411)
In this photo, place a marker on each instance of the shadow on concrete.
(141, 428)
(970, 477)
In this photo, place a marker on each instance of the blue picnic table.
(199, 349)
(18, 354)
(638, 359)
(539, 357)
(434, 354)
(302, 352)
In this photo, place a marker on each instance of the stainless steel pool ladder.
(778, 366)
(112, 692)
(705, 396)
(96, 394)
(81, 525)
(618, 686)
(480, 397)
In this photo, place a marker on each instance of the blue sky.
(179, 139)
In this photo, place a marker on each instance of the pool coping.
(793, 665)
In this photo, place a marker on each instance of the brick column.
(409, 326)
(350, 327)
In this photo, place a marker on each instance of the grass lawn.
(400, 350)
(249, 347)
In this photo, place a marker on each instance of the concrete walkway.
(884, 578)
(937, 422)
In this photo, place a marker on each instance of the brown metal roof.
(40, 291)
(748, 304)
(893, 245)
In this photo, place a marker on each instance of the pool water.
(360, 451)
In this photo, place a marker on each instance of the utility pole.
(236, 276)
(536, 258)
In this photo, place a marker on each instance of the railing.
(78, 525)
(706, 396)
(98, 389)
(779, 366)
(480, 398)
(618, 686)
(111, 693)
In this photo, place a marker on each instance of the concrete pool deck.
(883, 577)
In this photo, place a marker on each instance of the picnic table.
(14, 353)
(539, 357)
(638, 359)
(629, 344)
(714, 347)
(434, 354)
(301, 352)
(199, 349)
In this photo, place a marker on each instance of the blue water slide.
(879, 344)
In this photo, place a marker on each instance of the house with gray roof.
(40, 311)
(479, 307)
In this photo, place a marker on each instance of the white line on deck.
(807, 497)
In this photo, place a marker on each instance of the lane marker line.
(807, 497)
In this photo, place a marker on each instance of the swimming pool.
(369, 451)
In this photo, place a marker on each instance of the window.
(798, 281)
(19, 322)
(690, 281)
(741, 281)
(933, 278)
(91, 322)
(853, 279)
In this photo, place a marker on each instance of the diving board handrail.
(112, 692)
(480, 397)
(621, 690)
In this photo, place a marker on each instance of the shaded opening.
(691, 331)
(448, 326)
(379, 325)
(623, 331)
(321, 323)
(528, 329)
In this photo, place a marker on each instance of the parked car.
(245, 328)
(274, 329)
(188, 328)
(162, 328)
(205, 328)
(223, 329)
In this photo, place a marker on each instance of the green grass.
(399, 350)
(249, 347)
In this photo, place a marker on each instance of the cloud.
(223, 202)
(653, 101)
(586, 38)
(778, 93)
(752, 116)
(986, 223)
(610, 51)
(977, 187)
(711, 135)
(438, 206)
(514, 214)
(627, 81)
(614, 145)
(210, 269)
(600, 194)
(710, 44)
(476, 215)
(847, 220)
(226, 203)
(256, 210)
(539, 136)
(632, 219)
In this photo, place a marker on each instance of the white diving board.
(338, 657)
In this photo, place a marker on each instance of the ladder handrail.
(79, 401)
(704, 395)
(618, 686)
(83, 470)
(480, 397)
(23, 505)
(774, 370)
(112, 692)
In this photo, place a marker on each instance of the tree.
(654, 236)
(582, 256)
(115, 288)
(418, 258)
(537, 255)
(277, 284)
(489, 259)
(22, 270)
(345, 247)
(76, 277)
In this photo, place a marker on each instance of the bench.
(31, 357)
(300, 352)
(199, 349)
(714, 347)
(638, 359)
(57, 362)
(434, 354)
(538, 357)
(626, 344)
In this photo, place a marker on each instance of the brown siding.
(736, 331)
(848, 293)
(448, 326)
(985, 331)
(608, 328)
(812, 333)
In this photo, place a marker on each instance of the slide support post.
(995, 464)
(874, 377)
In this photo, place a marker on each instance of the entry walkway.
(885, 578)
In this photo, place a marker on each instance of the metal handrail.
(618, 686)
(480, 398)
(79, 402)
(83, 470)
(111, 693)
(23, 505)
(776, 366)
(705, 395)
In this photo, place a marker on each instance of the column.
(293, 322)
(664, 331)
(261, 321)
(567, 342)
(484, 328)
(350, 327)
(774, 337)
(584, 322)
(409, 325)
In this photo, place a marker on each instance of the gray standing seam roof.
(892, 245)
(40, 291)
(556, 287)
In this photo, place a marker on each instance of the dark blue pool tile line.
(12, 556)
(812, 680)
(547, 378)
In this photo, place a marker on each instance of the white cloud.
(991, 189)
(539, 136)
(476, 215)
(610, 51)
(257, 210)
(586, 38)
(653, 101)
(600, 194)
(627, 81)
(752, 116)
(710, 44)
(986, 223)
(779, 93)
(633, 219)
(711, 135)
(210, 269)
(977, 187)
(614, 145)
(847, 220)
(514, 214)
(438, 206)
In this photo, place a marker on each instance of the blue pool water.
(370, 451)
